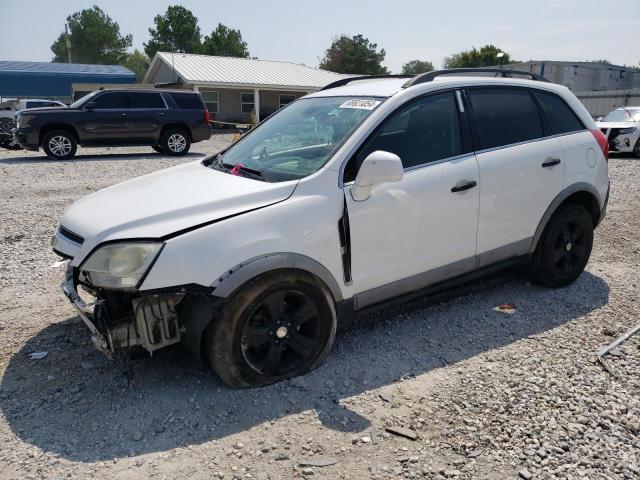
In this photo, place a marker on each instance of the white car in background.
(252, 257)
(622, 128)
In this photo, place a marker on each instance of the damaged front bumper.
(149, 320)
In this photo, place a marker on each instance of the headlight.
(24, 121)
(120, 266)
(627, 130)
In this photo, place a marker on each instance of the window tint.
(146, 100)
(188, 101)
(419, 132)
(112, 100)
(560, 115)
(505, 116)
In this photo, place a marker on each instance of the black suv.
(167, 121)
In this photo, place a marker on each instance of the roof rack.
(430, 76)
(345, 81)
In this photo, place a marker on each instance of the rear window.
(188, 101)
(505, 116)
(146, 100)
(562, 118)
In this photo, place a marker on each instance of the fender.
(234, 278)
(555, 203)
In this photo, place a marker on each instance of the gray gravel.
(487, 394)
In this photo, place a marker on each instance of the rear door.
(521, 169)
(106, 123)
(421, 229)
(145, 118)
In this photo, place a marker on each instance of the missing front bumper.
(151, 323)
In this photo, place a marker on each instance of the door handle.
(159, 113)
(550, 162)
(465, 186)
(123, 114)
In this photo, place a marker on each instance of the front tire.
(636, 148)
(564, 248)
(279, 325)
(175, 142)
(59, 145)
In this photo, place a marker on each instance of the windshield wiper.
(241, 168)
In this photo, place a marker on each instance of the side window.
(111, 100)
(188, 101)
(505, 116)
(562, 118)
(419, 132)
(146, 100)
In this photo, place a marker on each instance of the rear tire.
(564, 247)
(279, 325)
(59, 145)
(158, 148)
(175, 142)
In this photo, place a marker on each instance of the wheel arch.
(178, 126)
(50, 127)
(581, 193)
(198, 312)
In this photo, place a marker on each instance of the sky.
(301, 31)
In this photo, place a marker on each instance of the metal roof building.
(53, 80)
(236, 88)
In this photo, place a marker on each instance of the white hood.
(165, 202)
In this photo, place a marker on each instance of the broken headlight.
(120, 266)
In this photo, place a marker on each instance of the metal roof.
(245, 72)
(45, 79)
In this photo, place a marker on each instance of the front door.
(521, 169)
(106, 122)
(422, 229)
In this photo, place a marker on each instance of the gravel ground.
(485, 394)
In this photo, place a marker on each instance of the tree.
(354, 55)
(414, 67)
(176, 31)
(485, 57)
(95, 38)
(225, 42)
(138, 63)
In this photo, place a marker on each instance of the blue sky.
(300, 31)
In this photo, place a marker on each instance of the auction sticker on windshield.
(360, 103)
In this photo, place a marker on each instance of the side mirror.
(90, 106)
(379, 167)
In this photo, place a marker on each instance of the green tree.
(175, 31)
(138, 63)
(485, 57)
(225, 42)
(414, 67)
(95, 38)
(354, 55)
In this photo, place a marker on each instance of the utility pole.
(67, 40)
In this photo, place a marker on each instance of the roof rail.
(344, 81)
(430, 76)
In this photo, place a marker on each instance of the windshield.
(622, 115)
(298, 140)
(81, 101)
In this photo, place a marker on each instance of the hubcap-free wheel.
(278, 325)
(60, 146)
(177, 143)
(569, 247)
(280, 333)
(564, 248)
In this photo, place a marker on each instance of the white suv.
(363, 193)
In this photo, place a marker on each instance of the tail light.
(207, 117)
(601, 138)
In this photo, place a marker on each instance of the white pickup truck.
(8, 110)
